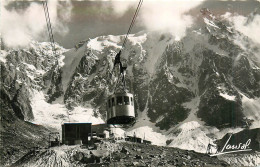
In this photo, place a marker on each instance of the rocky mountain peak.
(207, 13)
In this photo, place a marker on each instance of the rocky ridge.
(118, 154)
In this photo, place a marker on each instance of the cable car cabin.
(120, 109)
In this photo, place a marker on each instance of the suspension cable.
(132, 22)
(117, 58)
(49, 28)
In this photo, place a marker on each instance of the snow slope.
(53, 115)
(147, 130)
(71, 60)
(190, 136)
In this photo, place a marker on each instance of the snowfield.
(54, 115)
(147, 130)
(190, 136)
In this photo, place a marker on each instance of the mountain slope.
(17, 136)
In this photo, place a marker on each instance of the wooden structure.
(99, 130)
(75, 133)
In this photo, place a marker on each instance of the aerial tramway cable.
(49, 28)
(132, 22)
(117, 58)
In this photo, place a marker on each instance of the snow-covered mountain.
(187, 92)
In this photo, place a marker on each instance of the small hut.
(76, 133)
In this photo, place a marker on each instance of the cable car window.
(119, 100)
(126, 100)
(113, 102)
(132, 103)
(109, 104)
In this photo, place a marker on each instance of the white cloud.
(120, 7)
(241, 24)
(251, 29)
(162, 15)
(18, 28)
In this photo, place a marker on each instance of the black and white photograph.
(122, 83)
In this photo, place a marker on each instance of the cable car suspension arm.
(117, 58)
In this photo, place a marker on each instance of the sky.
(74, 21)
